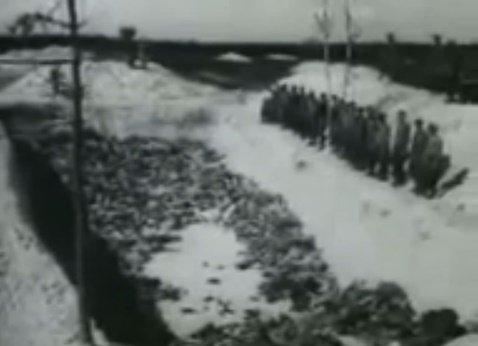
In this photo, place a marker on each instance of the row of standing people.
(363, 136)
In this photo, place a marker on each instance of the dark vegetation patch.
(446, 67)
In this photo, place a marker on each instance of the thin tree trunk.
(324, 25)
(328, 28)
(327, 65)
(348, 71)
(349, 49)
(79, 200)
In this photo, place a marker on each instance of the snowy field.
(366, 229)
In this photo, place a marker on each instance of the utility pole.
(349, 49)
(324, 24)
(81, 216)
(353, 33)
(80, 209)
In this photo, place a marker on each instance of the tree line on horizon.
(438, 64)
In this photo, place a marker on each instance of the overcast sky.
(259, 20)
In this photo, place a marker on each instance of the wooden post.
(327, 23)
(348, 48)
(324, 25)
(353, 34)
(79, 200)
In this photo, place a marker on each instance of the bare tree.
(353, 33)
(28, 23)
(324, 24)
(24, 25)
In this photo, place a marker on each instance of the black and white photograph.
(238, 173)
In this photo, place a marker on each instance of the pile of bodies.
(142, 192)
(363, 136)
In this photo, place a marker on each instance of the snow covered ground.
(471, 340)
(123, 102)
(111, 82)
(37, 304)
(233, 58)
(368, 229)
(215, 286)
(281, 57)
(52, 52)
(10, 71)
(458, 124)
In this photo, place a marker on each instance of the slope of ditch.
(37, 303)
(144, 192)
(115, 301)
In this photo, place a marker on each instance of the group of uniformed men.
(363, 136)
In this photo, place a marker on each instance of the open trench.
(115, 302)
(295, 269)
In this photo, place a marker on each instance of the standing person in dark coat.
(311, 107)
(268, 105)
(355, 136)
(336, 123)
(434, 160)
(383, 146)
(400, 148)
(303, 114)
(300, 113)
(371, 145)
(321, 114)
(290, 116)
(347, 128)
(279, 108)
(417, 165)
(362, 149)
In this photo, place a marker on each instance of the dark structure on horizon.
(441, 66)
